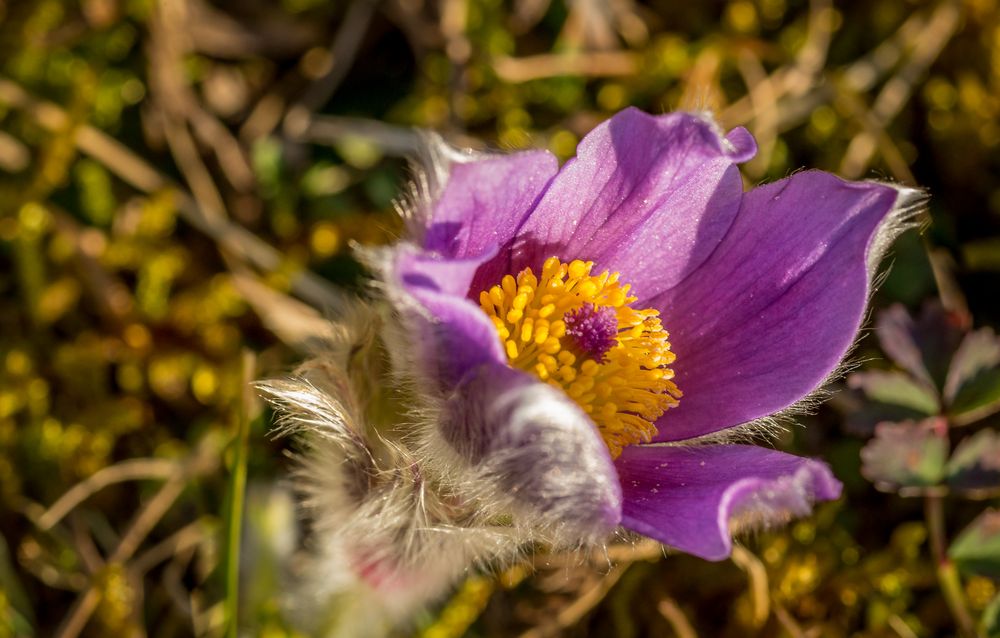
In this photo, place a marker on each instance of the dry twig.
(759, 590)
(129, 470)
(575, 611)
(546, 65)
(187, 537)
(764, 99)
(203, 459)
(897, 90)
(330, 129)
(669, 609)
(271, 109)
(342, 53)
(135, 171)
(168, 44)
(858, 77)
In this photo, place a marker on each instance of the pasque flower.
(590, 347)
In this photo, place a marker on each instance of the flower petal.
(647, 196)
(770, 315)
(485, 199)
(535, 446)
(448, 334)
(691, 498)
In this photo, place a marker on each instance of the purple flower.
(593, 338)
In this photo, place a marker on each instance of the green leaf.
(977, 549)
(989, 624)
(16, 607)
(268, 166)
(358, 151)
(978, 352)
(975, 464)
(978, 398)
(896, 388)
(906, 455)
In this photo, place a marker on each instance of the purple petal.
(690, 498)
(648, 196)
(448, 334)
(769, 316)
(485, 199)
(538, 447)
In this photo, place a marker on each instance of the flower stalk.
(947, 573)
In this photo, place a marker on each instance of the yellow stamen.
(624, 389)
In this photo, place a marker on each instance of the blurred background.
(176, 174)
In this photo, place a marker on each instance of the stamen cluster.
(557, 327)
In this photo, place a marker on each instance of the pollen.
(579, 332)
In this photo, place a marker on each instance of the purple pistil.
(593, 329)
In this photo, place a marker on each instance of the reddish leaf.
(979, 352)
(975, 464)
(906, 455)
(924, 347)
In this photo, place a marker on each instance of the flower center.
(593, 329)
(577, 332)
